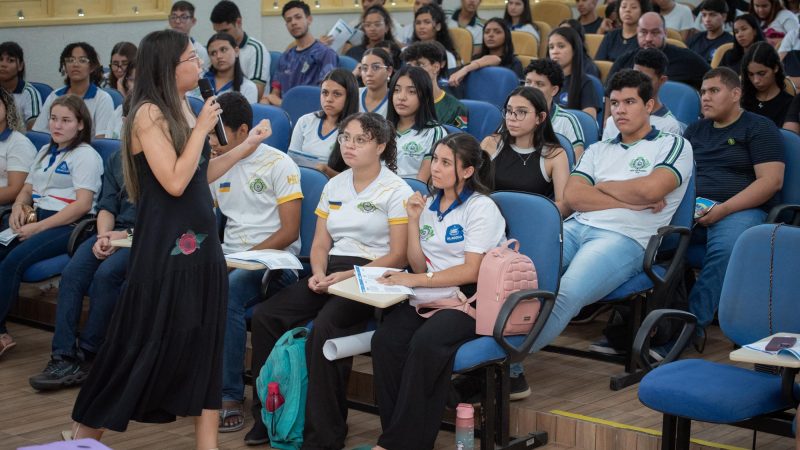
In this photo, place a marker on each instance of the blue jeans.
(244, 290)
(595, 263)
(718, 239)
(19, 256)
(102, 279)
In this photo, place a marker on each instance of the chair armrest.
(547, 301)
(270, 275)
(778, 210)
(675, 263)
(641, 344)
(79, 234)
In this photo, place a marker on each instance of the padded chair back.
(274, 57)
(43, 88)
(593, 42)
(567, 145)
(551, 12)
(683, 216)
(491, 84)
(462, 40)
(525, 44)
(721, 50)
(790, 192)
(196, 104)
(682, 100)
(452, 129)
(591, 133)
(544, 31)
(279, 121)
(744, 309)
(676, 42)
(301, 100)
(311, 182)
(346, 62)
(484, 118)
(674, 34)
(38, 138)
(789, 87)
(106, 147)
(605, 68)
(417, 186)
(600, 90)
(116, 96)
(525, 60)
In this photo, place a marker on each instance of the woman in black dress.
(162, 357)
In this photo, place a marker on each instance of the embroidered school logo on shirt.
(639, 164)
(731, 141)
(334, 205)
(257, 186)
(412, 149)
(225, 187)
(366, 207)
(454, 233)
(63, 168)
(426, 232)
(293, 179)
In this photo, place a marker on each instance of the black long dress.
(162, 356)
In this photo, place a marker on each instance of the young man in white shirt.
(676, 16)
(181, 18)
(467, 17)
(261, 198)
(12, 79)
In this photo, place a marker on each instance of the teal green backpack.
(286, 365)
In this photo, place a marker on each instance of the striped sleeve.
(671, 159)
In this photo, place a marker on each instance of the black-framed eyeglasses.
(181, 18)
(519, 114)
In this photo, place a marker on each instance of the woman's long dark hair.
(159, 55)
(737, 52)
(775, 8)
(576, 68)
(384, 55)
(426, 113)
(238, 75)
(387, 19)
(507, 59)
(347, 80)
(764, 54)
(126, 49)
(78, 107)
(467, 150)
(526, 18)
(439, 18)
(544, 138)
(96, 75)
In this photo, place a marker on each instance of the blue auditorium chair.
(195, 103)
(43, 88)
(279, 121)
(682, 100)
(417, 186)
(601, 93)
(116, 96)
(591, 133)
(38, 138)
(301, 100)
(451, 129)
(484, 118)
(490, 84)
(567, 145)
(274, 57)
(347, 63)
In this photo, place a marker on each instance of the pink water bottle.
(465, 427)
(274, 397)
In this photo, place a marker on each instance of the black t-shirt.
(589, 95)
(793, 115)
(685, 65)
(705, 47)
(592, 27)
(613, 46)
(732, 61)
(725, 156)
(774, 109)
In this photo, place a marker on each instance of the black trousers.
(412, 360)
(326, 403)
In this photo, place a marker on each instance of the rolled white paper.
(347, 346)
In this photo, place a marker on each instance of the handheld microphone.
(206, 91)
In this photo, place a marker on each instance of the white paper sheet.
(341, 33)
(305, 159)
(347, 346)
(761, 346)
(7, 236)
(367, 277)
(273, 259)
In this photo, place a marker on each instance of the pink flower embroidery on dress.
(188, 243)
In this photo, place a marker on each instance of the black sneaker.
(590, 312)
(59, 373)
(519, 388)
(257, 435)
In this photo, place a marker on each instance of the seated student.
(307, 63)
(358, 27)
(260, 196)
(739, 158)
(361, 221)
(619, 41)
(16, 151)
(467, 17)
(713, 13)
(376, 69)
(394, 50)
(587, 16)
(497, 50)
(518, 17)
(12, 79)
(685, 65)
(83, 77)
(61, 188)
(97, 269)
(121, 111)
(430, 25)
(653, 63)
(122, 55)
(181, 18)
(430, 56)
(412, 356)
(623, 190)
(746, 32)
(225, 73)
(774, 19)
(526, 136)
(253, 55)
(789, 52)
(763, 83)
(611, 19)
(546, 75)
(413, 116)
(406, 32)
(579, 92)
(377, 26)
(315, 133)
(589, 66)
(676, 16)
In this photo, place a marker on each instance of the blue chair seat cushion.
(638, 283)
(45, 269)
(711, 392)
(481, 351)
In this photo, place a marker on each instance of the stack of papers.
(367, 279)
(341, 33)
(273, 259)
(761, 346)
(7, 236)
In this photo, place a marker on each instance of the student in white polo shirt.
(361, 221)
(12, 79)
(260, 196)
(62, 188)
(448, 235)
(314, 134)
(84, 74)
(623, 190)
(16, 151)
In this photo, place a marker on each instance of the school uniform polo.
(382, 108)
(254, 59)
(16, 154)
(661, 119)
(100, 106)
(473, 223)
(612, 160)
(566, 124)
(309, 144)
(249, 195)
(27, 100)
(413, 146)
(475, 26)
(56, 176)
(450, 111)
(359, 222)
(248, 89)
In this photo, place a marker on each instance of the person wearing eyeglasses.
(122, 55)
(376, 69)
(181, 18)
(225, 73)
(83, 76)
(377, 26)
(361, 221)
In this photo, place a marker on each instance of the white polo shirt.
(382, 109)
(413, 146)
(785, 21)
(473, 224)
(248, 89)
(308, 144)
(100, 106)
(611, 160)
(54, 185)
(565, 123)
(255, 60)
(27, 100)
(680, 18)
(249, 195)
(661, 119)
(16, 154)
(359, 222)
